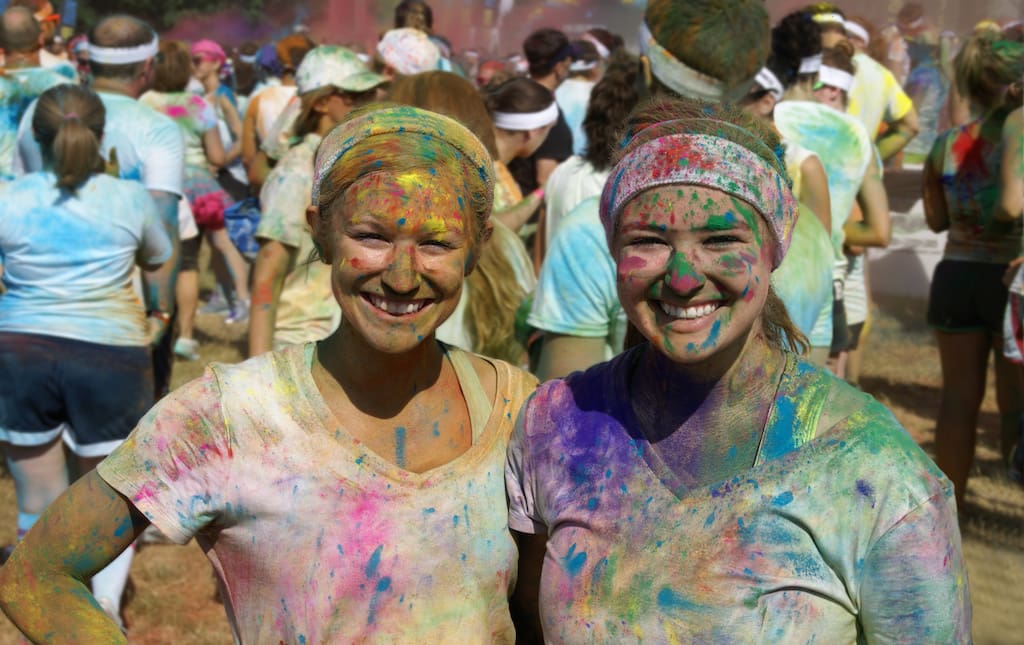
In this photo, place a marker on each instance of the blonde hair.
(986, 65)
(68, 124)
(494, 299)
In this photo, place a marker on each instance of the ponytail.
(68, 124)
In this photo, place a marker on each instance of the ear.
(320, 107)
(319, 234)
(766, 105)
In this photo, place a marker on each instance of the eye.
(646, 240)
(441, 244)
(722, 240)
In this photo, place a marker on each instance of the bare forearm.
(516, 216)
(159, 284)
(271, 267)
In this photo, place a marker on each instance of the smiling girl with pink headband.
(709, 485)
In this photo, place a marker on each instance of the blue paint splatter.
(669, 600)
(374, 562)
(123, 527)
(400, 446)
(573, 562)
(866, 490)
(783, 499)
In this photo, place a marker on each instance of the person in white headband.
(573, 94)
(856, 31)
(703, 50)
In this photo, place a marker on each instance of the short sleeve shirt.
(193, 114)
(315, 538)
(876, 97)
(68, 259)
(574, 180)
(842, 531)
(576, 293)
(307, 309)
(18, 88)
(150, 146)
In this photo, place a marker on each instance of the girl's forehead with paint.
(685, 207)
(417, 199)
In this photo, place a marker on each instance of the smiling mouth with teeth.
(689, 313)
(396, 307)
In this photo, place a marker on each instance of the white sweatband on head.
(917, 22)
(582, 66)
(810, 64)
(523, 121)
(834, 77)
(825, 18)
(677, 75)
(602, 51)
(856, 31)
(124, 55)
(767, 79)
(248, 60)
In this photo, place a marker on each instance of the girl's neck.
(210, 83)
(374, 378)
(722, 401)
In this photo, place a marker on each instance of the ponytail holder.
(71, 115)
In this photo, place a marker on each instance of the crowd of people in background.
(668, 239)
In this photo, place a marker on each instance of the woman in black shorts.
(75, 365)
(968, 298)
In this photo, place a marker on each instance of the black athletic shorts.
(967, 296)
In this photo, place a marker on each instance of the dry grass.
(174, 598)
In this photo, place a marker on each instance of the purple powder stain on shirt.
(866, 490)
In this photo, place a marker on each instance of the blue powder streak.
(374, 562)
(670, 601)
(783, 499)
(573, 562)
(400, 446)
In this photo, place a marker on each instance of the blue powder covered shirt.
(67, 259)
(18, 89)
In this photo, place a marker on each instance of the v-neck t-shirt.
(843, 530)
(315, 538)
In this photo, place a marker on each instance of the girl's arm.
(1011, 169)
(214, 148)
(935, 210)
(876, 227)
(518, 214)
(272, 265)
(525, 601)
(44, 587)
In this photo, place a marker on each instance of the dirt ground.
(174, 599)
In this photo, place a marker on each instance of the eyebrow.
(726, 222)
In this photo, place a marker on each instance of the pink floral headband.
(703, 160)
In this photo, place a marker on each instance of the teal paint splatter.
(374, 562)
(573, 562)
(400, 446)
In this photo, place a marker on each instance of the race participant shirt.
(572, 181)
(18, 89)
(576, 293)
(875, 96)
(573, 97)
(193, 114)
(150, 146)
(843, 530)
(314, 538)
(68, 258)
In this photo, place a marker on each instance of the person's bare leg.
(187, 294)
(1009, 399)
(964, 358)
(237, 267)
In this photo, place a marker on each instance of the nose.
(401, 275)
(681, 276)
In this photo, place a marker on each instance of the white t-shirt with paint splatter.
(316, 539)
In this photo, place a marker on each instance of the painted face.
(203, 66)
(400, 247)
(693, 268)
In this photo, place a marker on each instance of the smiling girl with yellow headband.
(348, 490)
